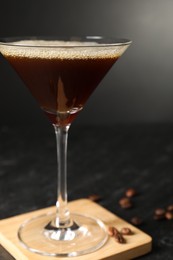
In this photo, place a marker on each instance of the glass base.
(85, 235)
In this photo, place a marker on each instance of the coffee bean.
(169, 215)
(136, 221)
(125, 203)
(131, 192)
(159, 214)
(112, 231)
(119, 238)
(170, 208)
(126, 231)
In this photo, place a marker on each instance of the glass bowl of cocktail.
(61, 73)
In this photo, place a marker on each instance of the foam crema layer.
(61, 50)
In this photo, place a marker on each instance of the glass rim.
(101, 41)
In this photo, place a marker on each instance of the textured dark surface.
(101, 160)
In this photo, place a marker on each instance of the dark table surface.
(101, 160)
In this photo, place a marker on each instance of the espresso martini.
(60, 75)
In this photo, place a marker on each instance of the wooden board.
(136, 245)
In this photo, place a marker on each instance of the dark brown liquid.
(61, 86)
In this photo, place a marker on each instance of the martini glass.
(61, 74)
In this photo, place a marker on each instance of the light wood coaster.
(136, 245)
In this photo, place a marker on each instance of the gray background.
(138, 89)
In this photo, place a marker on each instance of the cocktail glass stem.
(62, 211)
